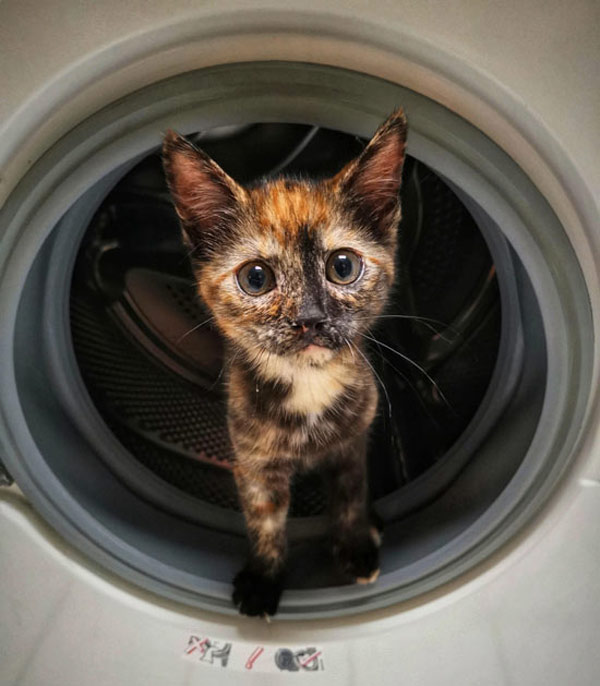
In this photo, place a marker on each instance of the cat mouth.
(316, 350)
(313, 347)
(309, 346)
(315, 353)
(313, 343)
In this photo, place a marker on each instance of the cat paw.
(359, 559)
(256, 594)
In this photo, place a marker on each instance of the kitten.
(294, 272)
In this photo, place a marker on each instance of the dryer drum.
(112, 407)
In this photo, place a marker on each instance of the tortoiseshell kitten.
(294, 272)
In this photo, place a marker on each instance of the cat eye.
(256, 278)
(343, 267)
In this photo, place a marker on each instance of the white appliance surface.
(524, 72)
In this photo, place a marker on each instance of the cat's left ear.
(207, 200)
(370, 184)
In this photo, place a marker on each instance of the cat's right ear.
(370, 184)
(206, 199)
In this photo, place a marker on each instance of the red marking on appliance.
(197, 644)
(256, 653)
(310, 659)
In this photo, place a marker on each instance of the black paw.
(358, 559)
(256, 594)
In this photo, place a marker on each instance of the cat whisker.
(437, 333)
(220, 374)
(426, 321)
(194, 328)
(400, 453)
(386, 361)
(350, 348)
(406, 379)
(412, 387)
(414, 364)
(216, 381)
(389, 403)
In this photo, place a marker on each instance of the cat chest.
(312, 392)
(308, 426)
(312, 434)
(307, 415)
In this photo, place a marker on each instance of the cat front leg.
(356, 538)
(264, 491)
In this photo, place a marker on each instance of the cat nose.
(310, 321)
(310, 325)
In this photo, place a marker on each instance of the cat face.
(291, 268)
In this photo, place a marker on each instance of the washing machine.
(120, 529)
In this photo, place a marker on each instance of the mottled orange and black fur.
(301, 392)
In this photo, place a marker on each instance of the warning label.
(296, 660)
(208, 651)
(233, 655)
